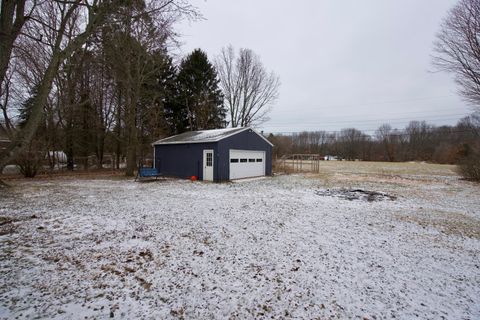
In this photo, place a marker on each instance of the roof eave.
(201, 141)
(184, 142)
(159, 142)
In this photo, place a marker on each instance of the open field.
(368, 167)
(356, 240)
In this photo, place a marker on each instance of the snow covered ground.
(279, 247)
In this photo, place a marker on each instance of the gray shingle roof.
(200, 136)
(203, 136)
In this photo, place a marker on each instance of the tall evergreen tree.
(160, 91)
(26, 108)
(157, 100)
(200, 100)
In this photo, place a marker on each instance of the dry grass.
(451, 223)
(350, 173)
(387, 168)
(430, 184)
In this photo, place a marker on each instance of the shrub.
(469, 165)
(29, 163)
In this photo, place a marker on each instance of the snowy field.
(292, 246)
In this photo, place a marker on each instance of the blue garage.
(214, 155)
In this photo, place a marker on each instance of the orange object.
(194, 178)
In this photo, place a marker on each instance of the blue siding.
(245, 140)
(183, 160)
(186, 160)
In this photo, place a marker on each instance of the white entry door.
(246, 163)
(208, 165)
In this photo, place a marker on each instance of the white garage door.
(246, 163)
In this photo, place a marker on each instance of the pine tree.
(26, 108)
(200, 100)
(160, 89)
(157, 100)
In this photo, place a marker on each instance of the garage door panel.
(246, 163)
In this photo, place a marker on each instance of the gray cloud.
(341, 63)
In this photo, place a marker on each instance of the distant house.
(330, 158)
(214, 155)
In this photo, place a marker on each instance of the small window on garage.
(243, 160)
(251, 160)
(233, 160)
(209, 159)
(259, 160)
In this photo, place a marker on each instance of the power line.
(374, 103)
(434, 118)
(430, 131)
(387, 112)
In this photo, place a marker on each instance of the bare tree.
(54, 28)
(57, 19)
(317, 141)
(13, 16)
(469, 163)
(249, 90)
(349, 140)
(12, 19)
(471, 124)
(386, 137)
(6, 124)
(457, 48)
(419, 137)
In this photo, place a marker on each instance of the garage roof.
(204, 136)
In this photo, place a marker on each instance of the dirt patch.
(356, 194)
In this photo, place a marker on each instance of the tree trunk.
(69, 145)
(10, 29)
(69, 150)
(100, 149)
(132, 139)
(118, 129)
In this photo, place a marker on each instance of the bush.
(29, 163)
(469, 165)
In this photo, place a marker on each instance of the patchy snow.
(269, 248)
(200, 136)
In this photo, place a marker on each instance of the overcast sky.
(342, 64)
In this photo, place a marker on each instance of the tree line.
(99, 77)
(418, 141)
